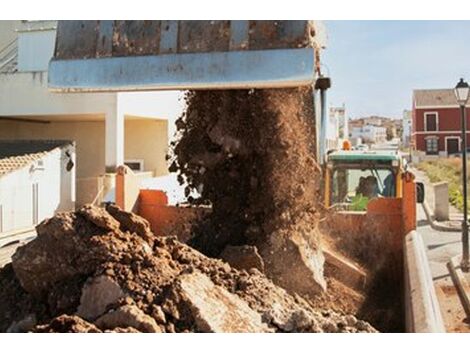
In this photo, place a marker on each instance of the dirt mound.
(250, 154)
(93, 271)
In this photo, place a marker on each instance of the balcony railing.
(9, 57)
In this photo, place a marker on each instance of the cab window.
(352, 189)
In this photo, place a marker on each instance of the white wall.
(406, 127)
(332, 131)
(369, 133)
(26, 93)
(162, 105)
(35, 49)
(56, 190)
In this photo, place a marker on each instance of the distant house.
(37, 179)
(406, 126)
(332, 131)
(436, 122)
(339, 114)
(337, 127)
(369, 133)
(380, 121)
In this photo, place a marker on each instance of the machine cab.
(354, 178)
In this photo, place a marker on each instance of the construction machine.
(115, 56)
(354, 177)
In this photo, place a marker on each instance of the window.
(432, 146)
(430, 121)
(353, 188)
(452, 145)
(135, 165)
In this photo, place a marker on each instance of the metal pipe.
(323, 125)
(465, 264)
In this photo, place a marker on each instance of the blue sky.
(375, 65)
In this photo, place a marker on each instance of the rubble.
(243, 257)
(97, 294)
(65, 323)
(152, 284)
(128, 316)
(214, 308)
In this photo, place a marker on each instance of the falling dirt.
(381, 302)
(250, 154)
(101, 271)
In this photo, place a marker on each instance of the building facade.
(369, 134)
(436, 124)
(37, 179)
(406, 127)
(332, 135)
(109, 129)
(339, 114)
(338, 128)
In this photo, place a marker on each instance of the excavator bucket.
(161, 55)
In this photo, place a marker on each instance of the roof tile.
(434, 97)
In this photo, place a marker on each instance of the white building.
(340, 114)
(37, 179)
(370, 133)
(407, 121)
(109, 129)
(337, 130)
(332, 131)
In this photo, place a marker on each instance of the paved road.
(440, 248)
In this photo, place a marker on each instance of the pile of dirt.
(251, 155)
(99, 270)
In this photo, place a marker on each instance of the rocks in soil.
(97, 294)
(66, 323)
(293, 264)
(128, 316)
(243, 257)
(214, 308)
(159, 284)
(251, 156)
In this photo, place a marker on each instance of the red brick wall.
(420, 143)
(449, 120)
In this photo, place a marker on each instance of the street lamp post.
(462, 91)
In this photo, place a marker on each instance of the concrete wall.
(88, 136)
(35, 49)
(167, 105)
(147, 139)
(7, 32)
(26, 94)
(56, 191)
(144, 139)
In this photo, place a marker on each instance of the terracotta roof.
(16, 154)
(434, 97)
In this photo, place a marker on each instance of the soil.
(250, 154)
(381, 302)
(148, 270)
